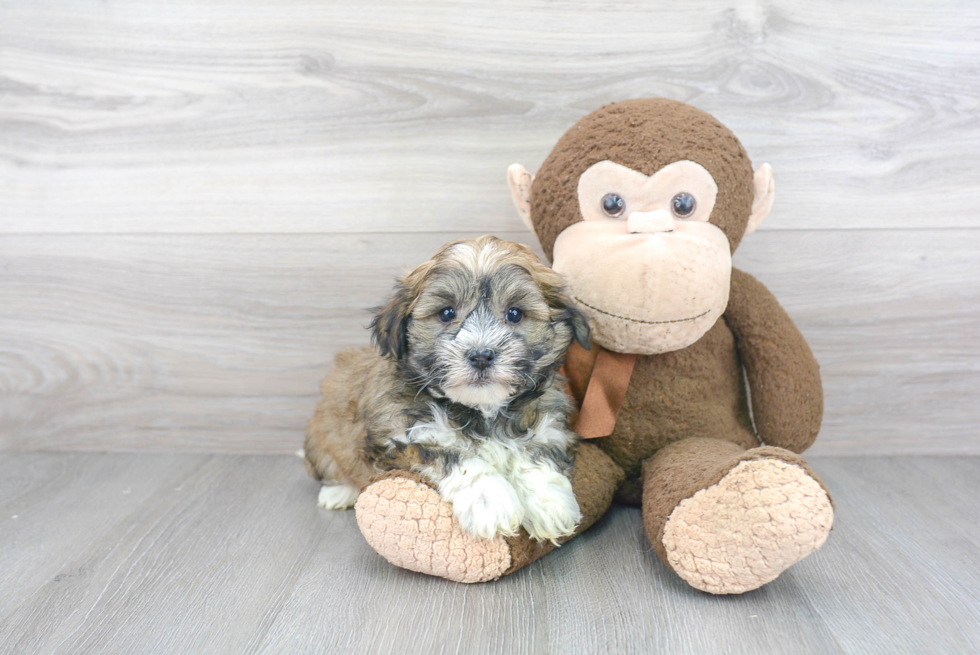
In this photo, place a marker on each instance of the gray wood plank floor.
(228, 554)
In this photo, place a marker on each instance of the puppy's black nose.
(481, 359)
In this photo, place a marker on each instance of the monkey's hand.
(783, 375)
(408, 523)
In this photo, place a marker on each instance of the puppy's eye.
(514, 315)
(613, 205)
(683, 205)
(446, 314)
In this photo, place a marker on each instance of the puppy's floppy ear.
(562, 308)
(578, 322)
(389, 329)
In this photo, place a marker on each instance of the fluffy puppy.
(463, 389)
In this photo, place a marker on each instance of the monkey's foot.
(408, 523)
(762, 517)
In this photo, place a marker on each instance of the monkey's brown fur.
(644, 135)
(685, 436)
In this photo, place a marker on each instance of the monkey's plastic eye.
(447, 314)
(683, 205)
(613, 205)
(514, 315)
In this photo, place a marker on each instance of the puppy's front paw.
(552, 511)
(488, 506)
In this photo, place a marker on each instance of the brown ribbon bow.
(604, 388)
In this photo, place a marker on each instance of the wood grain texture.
(217, 343)
(382, 116)
(198, 200)
(228, 554)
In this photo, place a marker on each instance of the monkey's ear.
(519, 180)
(389, 329)
(763, 195)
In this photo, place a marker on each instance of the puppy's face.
(481, 322)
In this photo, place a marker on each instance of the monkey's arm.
(783, 376)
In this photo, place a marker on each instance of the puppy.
(463, 389)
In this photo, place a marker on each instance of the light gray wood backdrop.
(198, 200)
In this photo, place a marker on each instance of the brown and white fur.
(460, 392)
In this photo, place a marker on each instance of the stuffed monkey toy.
(640, 205)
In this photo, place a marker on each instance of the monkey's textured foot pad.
(409, 525)
(737, 535)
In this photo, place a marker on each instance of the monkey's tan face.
(645, 265)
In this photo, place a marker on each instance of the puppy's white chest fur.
(500, 483)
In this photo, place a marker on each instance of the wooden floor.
(227, 553)
(199, 200)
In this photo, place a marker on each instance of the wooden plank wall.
(198, 200)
